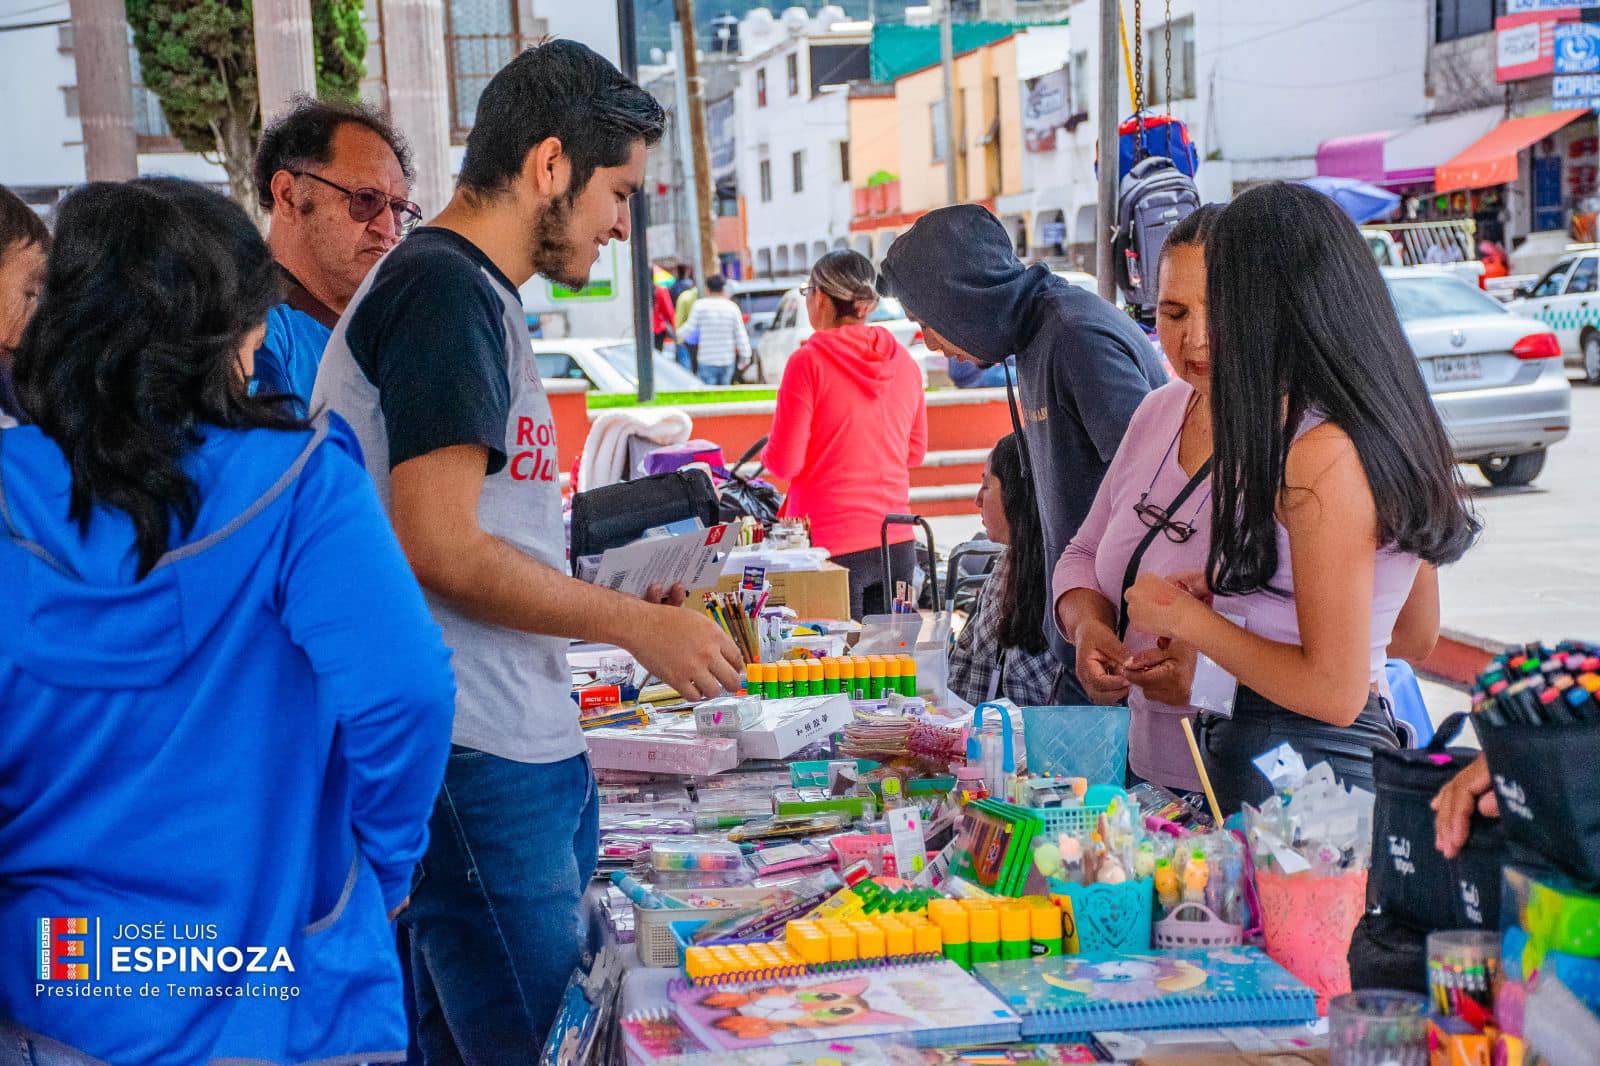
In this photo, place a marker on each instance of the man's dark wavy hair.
(152, 287)
(564, 90)
(302, 138)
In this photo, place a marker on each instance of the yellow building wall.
(986, 86)
(874, 141)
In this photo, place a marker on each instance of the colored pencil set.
(738, 614)
(1537, 685)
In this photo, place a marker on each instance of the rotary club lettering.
(536, 459)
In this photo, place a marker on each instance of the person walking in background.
(334, 179)
(1083, 367)
(661, 327)
(1335, 493)
(431, 365)
(716, 327)
(209, 627)
(851, 421)
(1001, 651)
(24, 240)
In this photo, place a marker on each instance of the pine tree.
(198, 57)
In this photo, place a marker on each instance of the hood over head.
(863, 353)
(955, 270)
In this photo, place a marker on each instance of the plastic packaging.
(696, 854)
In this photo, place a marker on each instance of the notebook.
(1204, 987)
(932, 1002)
(655, 1035)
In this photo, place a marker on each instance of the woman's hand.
(1164, 674)
(1161, 607)
(1100, 659)
(1469, 790)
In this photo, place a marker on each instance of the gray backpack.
(1154, 196)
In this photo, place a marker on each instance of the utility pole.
(694, 189)
(1110, 153)
(947, 62)
(700, 156)
(639, 218)
(105, 89)
(419, 92)
(286, 62)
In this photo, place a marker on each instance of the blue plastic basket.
(1080, 819)
(1110, 917)
(1087, 742)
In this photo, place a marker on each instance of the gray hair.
(849, 280)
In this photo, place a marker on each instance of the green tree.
(199, 58)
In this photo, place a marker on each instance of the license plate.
(1453, 368)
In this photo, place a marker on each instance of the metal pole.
(639, 208)
(947, 62)
(691, 182)
(1106, 205)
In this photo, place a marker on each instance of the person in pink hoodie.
(851, 422)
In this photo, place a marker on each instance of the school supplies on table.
(1149, 990)
(1463, 973)
(994, 846)
(1054, 1054)
(652, 1035)
(696, 853)
(660, 748)
(782, 727)
(931, 1002)
(737, 614)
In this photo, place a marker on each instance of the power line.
(1292, 26)
(34, 25)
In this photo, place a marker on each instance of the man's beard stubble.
(554, 251)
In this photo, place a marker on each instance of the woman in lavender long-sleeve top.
(1167, 443)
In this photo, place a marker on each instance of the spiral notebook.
(1149, 990)
(931, 1002)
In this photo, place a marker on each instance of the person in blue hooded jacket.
(226, 708)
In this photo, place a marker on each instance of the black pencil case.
(1544, 778)
(1410, 880)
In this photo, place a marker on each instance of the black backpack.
(1154, 196)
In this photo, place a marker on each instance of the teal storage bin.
(1087, 742)
(1110, 917)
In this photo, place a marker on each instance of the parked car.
(1566, 300)
(607, 364)
(759, 300)
(1495, 377)
(791, 326)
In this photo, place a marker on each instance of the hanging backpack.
(1153, 198)
(1163, 135)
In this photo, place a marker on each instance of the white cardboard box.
(786, 726)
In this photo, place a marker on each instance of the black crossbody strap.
(1132, 572)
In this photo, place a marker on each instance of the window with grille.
(1453, 19)
(480, 38)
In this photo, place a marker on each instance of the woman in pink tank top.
(1332, 483)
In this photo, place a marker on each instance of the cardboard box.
(823, 594)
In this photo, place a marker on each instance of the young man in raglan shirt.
(431, 366)
(1082, 365)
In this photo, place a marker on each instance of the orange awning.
(1492, 158)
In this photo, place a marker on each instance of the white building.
(1261, 83)
(793, 131)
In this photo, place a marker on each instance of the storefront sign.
(1518, 7)
(1046, 106)
(1577, 48)
(1571, 90)
(1526, 43)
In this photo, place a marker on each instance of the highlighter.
(815, 677)
(786, 688)
(830, 677)
(983, 926)
(1045, 929)
(1016, 932)
(951, 918)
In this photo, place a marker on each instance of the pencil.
(1200, 768)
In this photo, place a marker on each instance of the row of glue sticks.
(868, 677)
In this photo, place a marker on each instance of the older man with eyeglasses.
(335, 179)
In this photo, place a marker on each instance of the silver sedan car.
(1496, 378)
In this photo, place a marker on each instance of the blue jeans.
(716, 375)
(495, 919)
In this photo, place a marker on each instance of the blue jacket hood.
(955, 270)
(77, 615)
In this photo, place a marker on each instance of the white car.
(1495, 378)
(791, 327)
(1566, 299)
(608, 364)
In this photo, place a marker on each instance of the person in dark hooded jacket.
(1082, 365)
(851, 422)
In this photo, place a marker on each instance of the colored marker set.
(1537, 685)
(861, 677)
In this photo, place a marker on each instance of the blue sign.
(1567, 88)
(1577, 48)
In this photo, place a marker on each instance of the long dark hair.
(1022, 577)
(1301, 321)
(151, 288)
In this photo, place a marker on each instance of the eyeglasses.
(366, 204)
(805, 290)
(1155, 516)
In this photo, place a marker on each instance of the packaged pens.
(696, 853)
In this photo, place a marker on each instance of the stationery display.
(931, 1002)
(1149, 990)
